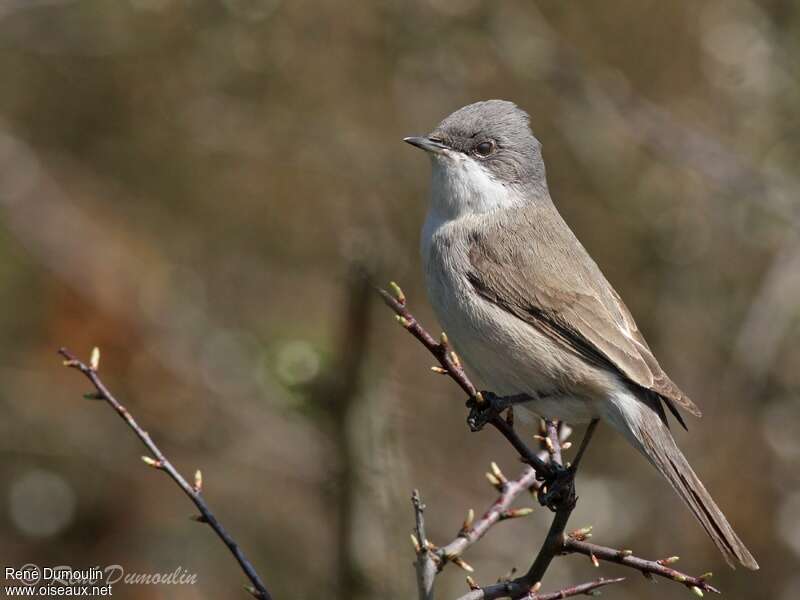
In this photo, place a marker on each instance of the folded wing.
(530, 264)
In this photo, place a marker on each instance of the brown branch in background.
(335, 395)
(160, 462)
(561, 499)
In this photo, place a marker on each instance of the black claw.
(494, 405)
(481, 414)
(560, 486)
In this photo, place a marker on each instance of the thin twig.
(553, 442)
(554, 541)
(500, 510)
(525, 452)
(550, 548)
(425, 564)
(626, 558)
(160, 462)
(585, 443)
(453, 367)
(577, 590)
(439, 349)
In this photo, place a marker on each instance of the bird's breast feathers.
(508, 355)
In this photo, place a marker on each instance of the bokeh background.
(195, 185)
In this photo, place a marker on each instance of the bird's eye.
(484, 148)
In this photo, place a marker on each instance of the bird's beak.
(427, 144)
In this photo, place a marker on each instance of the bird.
(528, 310)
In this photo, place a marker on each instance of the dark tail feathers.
(660, 448)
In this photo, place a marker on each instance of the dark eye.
(484, 148)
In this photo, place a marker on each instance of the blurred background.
(193, 186)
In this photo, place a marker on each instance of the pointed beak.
(427, 144)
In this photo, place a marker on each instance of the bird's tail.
(657, 444)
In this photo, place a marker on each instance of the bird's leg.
(481, 413)
(559, 483)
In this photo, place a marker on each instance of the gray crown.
(518, 155)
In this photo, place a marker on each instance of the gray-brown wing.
(532, 265)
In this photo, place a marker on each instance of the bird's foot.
(492, 407)
(558, 489)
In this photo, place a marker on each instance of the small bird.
(529, 311)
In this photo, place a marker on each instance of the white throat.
(460, 187)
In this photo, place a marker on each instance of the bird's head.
(484, 156)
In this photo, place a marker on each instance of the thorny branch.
(431, 559)
(581, 589)
(543, 471)
(160, 462)
(451, 365)
(576, 544)
(501, 510)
